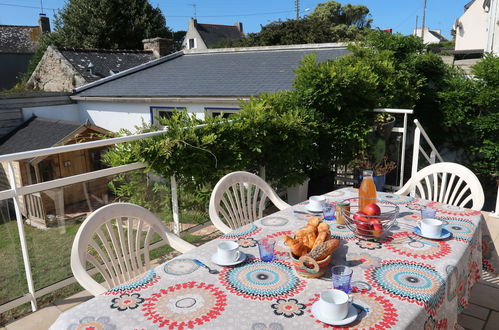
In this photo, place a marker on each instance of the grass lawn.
(49, 252)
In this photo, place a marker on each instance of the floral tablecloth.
(401, 283)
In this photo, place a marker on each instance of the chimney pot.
(159, 46)
(239, 26)
(44, 23)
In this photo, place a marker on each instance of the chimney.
(159, 46)
(192, 23)
(239, 26)
(44, 23)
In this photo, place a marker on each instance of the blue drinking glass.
(266, 248)
(328, 210)
(428, 213)
(341, 276)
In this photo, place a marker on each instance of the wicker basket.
(308, 267)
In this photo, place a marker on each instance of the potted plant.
(380, 169)
(383, 125)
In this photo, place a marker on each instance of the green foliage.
(107, 24)
(329, 22)
(470, 108)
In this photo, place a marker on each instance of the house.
(204, 36)
(17, 46)
(211, 81)
(63, 69)
(45, 208)
(477, 30)
(429, 36)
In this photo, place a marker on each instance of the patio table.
(400, 284)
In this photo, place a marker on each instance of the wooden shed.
(48, 207)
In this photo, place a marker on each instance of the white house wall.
(471, 31)
(115, 116)
(69, 112)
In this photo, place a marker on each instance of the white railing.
(16, 192)
(400, 130)
(418, 148)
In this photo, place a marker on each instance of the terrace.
(36, 261)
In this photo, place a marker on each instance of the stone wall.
(55, 74)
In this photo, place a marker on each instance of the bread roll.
(297, 247)
(324, 249)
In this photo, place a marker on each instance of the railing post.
(415, 153)
(433, 157)
(496, 212)
(22, 237)
(176, 222)
(402, 156)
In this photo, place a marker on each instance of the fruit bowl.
(369, 226)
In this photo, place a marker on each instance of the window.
(46, 170)
(163, 112)
(192, 43)
(224, 112)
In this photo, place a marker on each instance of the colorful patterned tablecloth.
(402, 283)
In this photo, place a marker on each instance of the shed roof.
(212, 73)
(104, 61)
(37, 133)
(212, 34)
(19, 38)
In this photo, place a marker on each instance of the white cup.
(228, 252)
(315, 203)
(333, 304)
(430, 227)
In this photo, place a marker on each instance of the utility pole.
(416, 29)
(297, 6)
(41, 5)
(423, 23)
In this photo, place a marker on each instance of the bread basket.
(308, 267)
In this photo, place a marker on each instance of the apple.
(362, 223)
(372, 210)
(377, 227)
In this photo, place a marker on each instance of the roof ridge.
(266, 48)
(101, 50)
(234, 26)
(20, 26)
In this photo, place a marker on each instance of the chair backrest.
(115, 239)
(239, 198)
(447, 183)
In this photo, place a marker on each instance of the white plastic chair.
(239, 198)
(115, 239)
(447, 183)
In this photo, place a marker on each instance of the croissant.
(322, 237)
(314, 221)
(323, 227)
(296, 246)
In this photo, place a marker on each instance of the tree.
(329, 22)
(109, 24)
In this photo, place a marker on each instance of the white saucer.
(445, 233)
(215, 260)
(313, 211)
(351, 316)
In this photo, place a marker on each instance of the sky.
(396, 14)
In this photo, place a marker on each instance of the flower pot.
(383, 130)
(379, 181)
(298, 193)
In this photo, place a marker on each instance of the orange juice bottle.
(367, 190)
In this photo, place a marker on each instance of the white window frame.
(211, 110)
(157, 110)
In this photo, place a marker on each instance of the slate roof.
(437, 35)
(36, 133)
(104, 60)
(468, 5)
(212, 34)
(19, 39)
(236, 73)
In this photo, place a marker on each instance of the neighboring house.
(63, 69)
(203, 36)
(213, 81)
(477, 30)
(51, 205)
(430, 36)
(17, 46)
